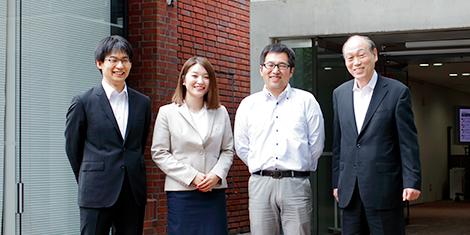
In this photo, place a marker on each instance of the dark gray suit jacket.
(97, 152)
(384, 156)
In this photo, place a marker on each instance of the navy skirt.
(198, 213)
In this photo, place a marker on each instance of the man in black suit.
(106, 133)
(376, 162)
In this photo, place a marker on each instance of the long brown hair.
(211, 97)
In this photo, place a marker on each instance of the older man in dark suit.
(376, 162)
(106, 133)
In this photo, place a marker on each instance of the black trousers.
(125, 216)
(359, 220)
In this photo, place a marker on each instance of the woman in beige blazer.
(193, 145)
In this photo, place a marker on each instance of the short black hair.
(278, 48)
(112, 44)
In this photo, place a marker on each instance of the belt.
(280, 174)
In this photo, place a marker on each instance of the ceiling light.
(437, 64)
(423, 65)
(465, 74)
(328, 68)
(426, 52)
(297, 43)
(441, 43)
(453, 74)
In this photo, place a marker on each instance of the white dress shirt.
(120, 104)
(362, 99)
(283, 134)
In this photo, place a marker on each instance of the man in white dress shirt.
(279, 135)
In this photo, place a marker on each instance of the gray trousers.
(286, 201)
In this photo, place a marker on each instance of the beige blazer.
(180, 152)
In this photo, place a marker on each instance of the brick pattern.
(164, 37)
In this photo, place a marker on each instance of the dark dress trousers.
(99, 156)
(383, 158)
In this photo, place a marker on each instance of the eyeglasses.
(281, 66)
(115, 61)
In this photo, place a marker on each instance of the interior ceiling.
(457, 63)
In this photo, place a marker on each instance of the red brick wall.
(164, 37)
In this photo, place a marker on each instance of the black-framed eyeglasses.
(115, 61)
(281, 66)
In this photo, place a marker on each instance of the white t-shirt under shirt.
(200, 120)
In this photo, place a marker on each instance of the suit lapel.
(132, 108)
(184, 110)
(210, 122)
(349, 107)
(380, 91)
(104, 103)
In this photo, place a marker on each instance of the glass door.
(48, 57)
(320, 69)
(330, 73)
(56, 46)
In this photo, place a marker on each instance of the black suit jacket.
(384, 156)
(98, 154)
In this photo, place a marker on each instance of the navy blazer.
(384, 156)
(97, 152)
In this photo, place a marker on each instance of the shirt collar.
(371, 84)
(286, 93)
(110, 90)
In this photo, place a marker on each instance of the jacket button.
(358, 146)
(124, 149)
(355, 166)
(122, 167)
(201, 152)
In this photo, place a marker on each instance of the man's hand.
(410, 194)
(210, 180)
(335, 194)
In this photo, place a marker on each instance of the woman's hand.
(209, 181)
(199, 178)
